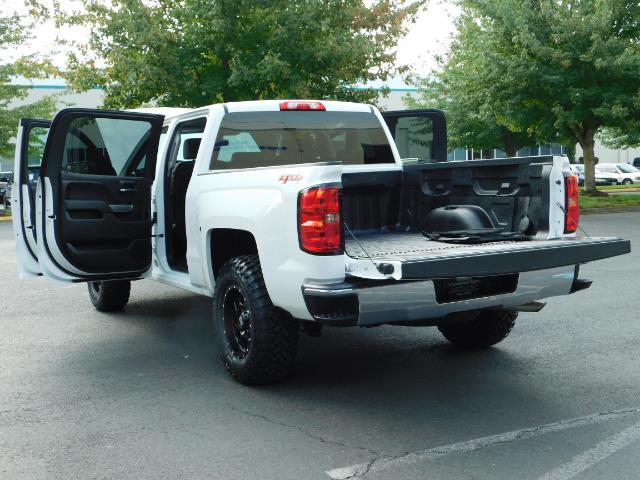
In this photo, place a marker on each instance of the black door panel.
(102, 225)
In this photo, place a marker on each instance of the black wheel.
(488, 328)
(109, 296)
(258, 343)
(627, 181)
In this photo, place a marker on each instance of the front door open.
(30, 142)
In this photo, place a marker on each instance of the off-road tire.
(487, 329)
(258, 342)
(109, 296)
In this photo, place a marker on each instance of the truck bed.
(422, 258)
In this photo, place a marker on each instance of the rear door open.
(93, 198)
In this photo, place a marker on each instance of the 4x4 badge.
(290, 178)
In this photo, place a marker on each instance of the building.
(609, 155)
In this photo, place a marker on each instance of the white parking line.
(594, 455)
(383, 463)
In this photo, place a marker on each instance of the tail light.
(572, 206)
(318, 106)
(320, 220)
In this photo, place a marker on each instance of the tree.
(196, 52)
(12, 97)
(474, 119)
(471, 119)
(628, 137)
(564, 68)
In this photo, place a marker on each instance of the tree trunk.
(587, 145)
(509, 144)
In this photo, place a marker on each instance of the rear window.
(264, 139)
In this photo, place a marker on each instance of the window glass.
(186, 140)
(628, 168)
(261, 139)
(35, 152)
(607, 168)
(105, 146)
(414, 137)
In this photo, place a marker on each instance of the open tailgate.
(420, 258)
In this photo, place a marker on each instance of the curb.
(591, 211)
(6, 219)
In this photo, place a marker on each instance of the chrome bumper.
(372, 303)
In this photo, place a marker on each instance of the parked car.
(601, 178)
(579, 172)
(636, 162)
(6, 179)
(293, 215)
(624, 173)
(629, 170)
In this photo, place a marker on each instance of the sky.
(427, 37)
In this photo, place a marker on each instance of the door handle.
(121, 207)
(128, 190)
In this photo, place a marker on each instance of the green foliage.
(628, 137)
(560, 69)
(12, 30)
(471, 116)
(587, 201)
(474, 119)
(198, 52)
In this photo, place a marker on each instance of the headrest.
(190, 148)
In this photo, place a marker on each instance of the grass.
(588, 201)
(619, 188)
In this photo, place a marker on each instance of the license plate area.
(467, 288)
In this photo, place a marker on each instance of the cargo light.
(320, 221)
(317, 106)
(572, 205)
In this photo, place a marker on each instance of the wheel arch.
(226, 243)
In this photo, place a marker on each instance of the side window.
(35, 151)
(414, 137)
(106, 146)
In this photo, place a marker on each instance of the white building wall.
(608, 155)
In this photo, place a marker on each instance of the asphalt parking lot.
(142, 395)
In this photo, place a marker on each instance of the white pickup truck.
(297, 214)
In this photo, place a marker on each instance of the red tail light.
(320, 221)
(572, 206)
(302, 106)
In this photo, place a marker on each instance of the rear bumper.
(370, 303)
